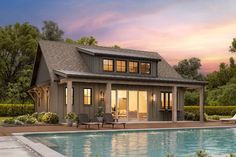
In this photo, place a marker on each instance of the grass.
(217, 117)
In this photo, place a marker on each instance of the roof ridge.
(103, 47)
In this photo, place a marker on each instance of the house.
(133, 85)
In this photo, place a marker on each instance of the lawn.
(216, 117)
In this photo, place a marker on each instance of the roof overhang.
(84, 75)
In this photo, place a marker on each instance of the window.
(121, 66)
(166, 100)
(145, 68)
(108, 65)
(133, 67)
(87, 96)
(72, 95)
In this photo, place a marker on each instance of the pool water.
(141, 143)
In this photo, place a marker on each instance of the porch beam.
(108, 98)
(63, 81)
(69, 96)
(201, 104)
(174, 106)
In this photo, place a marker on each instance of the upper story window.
(121, 66)
(145, 68)
(108, 65)
(133, 67)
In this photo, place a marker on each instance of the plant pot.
(69, 123)
(100, 119)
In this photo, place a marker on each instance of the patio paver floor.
(10, 147)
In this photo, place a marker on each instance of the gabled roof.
(65, 56)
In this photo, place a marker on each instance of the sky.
(177, 29)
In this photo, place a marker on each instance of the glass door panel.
(142, 105)
(122, 104)
(113, 103)
(133, 105)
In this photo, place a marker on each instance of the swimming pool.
(141, 143)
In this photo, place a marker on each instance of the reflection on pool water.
(141, 143)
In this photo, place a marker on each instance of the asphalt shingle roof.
(61, 56)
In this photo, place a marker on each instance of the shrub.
(50, 118)
(17, 122)
(13, 110)
(233, 112)
(211, 110)
(9, 121)
(35, 115)
(31, 120)
(215, 117)
(22, 118)
(40, 116)
(191, 116)
(71, 116)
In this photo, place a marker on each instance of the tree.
(70, 41)
(189, 68)
(223, 76)
(18, 45)
(116, 46)
(51, 31)
(87, 41)
(232, 48)
(232, 62)
(83, 41)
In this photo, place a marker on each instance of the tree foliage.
(51, 31)
(18, 44)
(189, 68)
(83, 41)
(232, 48)
(226, 73)
(116, 46)
(222, 85)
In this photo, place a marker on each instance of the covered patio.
(177, 88)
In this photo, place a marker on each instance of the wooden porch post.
(69, 96)
(174, 106)
(108, 98)
(201, 104)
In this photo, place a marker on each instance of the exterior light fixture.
(153, 97)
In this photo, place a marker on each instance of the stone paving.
(10, 147)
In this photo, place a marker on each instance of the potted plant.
(99, 114)
(70, 118)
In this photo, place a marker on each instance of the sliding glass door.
(122, 104)
(133, 105)
(129, 105)
(142, 114)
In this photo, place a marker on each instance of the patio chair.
(83, 119)
(233, 119)
(108, 119)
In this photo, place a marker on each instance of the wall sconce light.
(101, 95)
(153, 97)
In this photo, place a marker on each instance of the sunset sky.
(177, 29)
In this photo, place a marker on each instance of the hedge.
(211, 110)
(10, 110)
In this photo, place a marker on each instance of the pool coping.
(45, 151)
